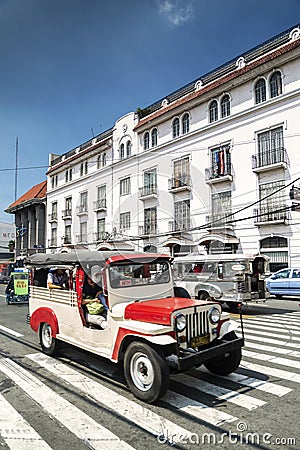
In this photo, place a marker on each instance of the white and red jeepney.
(149, 329)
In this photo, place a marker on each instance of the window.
(213, 111)
(225, 106)
(221, 161)
(146, 140)
(221, 208)
(124, 221)
(128, 149)
(176, 127)
(103, 159)
(83, 205)
(270, 147)
(185, 123)
(276, 248)
(68, 207)
(68, 236)
(54, 181)
(122, 151)
(125, 186)
(54, 211)
(83, 232)
(68, 175)
(275, 84)
(150, 182)
(83, 168)
(260, 91)
(274, 207)
(150, 221)
(101, 234)
(181, 171)
(53, 240)
(101, 197)
(182, 215)
(154, 137)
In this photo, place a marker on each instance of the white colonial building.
(209, 167)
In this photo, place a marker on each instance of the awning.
(222, 237)
(176, 241)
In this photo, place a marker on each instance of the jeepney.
(234, 279)
(150, 331)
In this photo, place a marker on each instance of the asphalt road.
(80, 401)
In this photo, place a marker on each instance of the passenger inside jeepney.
(94, 303)
(57, 279)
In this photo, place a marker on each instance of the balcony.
(147, 192)
(81, 209)
(101, 236)
(148, 230)
(52, 217)
(180, 183)
(214, 175)
(271, 214)
(100, 205)
(175, 226)
(269, 160)
(67, 213)
(219, 221)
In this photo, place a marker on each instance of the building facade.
(208, 168)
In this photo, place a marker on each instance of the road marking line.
(255, 383)
(132, 411)
(249, 331)
(268, 348)
(9, 331)
(16, 431)
(245, 401)
(84, 427)
(280, 328)
(272, 359)
(278, 324)
(271, 371)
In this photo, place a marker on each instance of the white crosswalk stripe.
(268, 338)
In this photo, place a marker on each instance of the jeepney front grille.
(241, 286)
(196, 325)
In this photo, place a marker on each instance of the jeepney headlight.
(180, 322)
(214, 315)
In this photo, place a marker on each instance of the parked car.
(284, 282)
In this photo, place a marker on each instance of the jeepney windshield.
(210, 269)
(132, 274)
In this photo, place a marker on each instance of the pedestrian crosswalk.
(270, 369)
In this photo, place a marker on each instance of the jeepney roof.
(195, 258)
(70, 259)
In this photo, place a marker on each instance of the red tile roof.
(37, 191)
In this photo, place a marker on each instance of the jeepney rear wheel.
(228, 363)
(48, 343)
(146, 372)
(202, 295)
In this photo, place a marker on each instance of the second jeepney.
(149, 329)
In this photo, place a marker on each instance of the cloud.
(177, 12)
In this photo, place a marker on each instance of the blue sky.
(70, 68)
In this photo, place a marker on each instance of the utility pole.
(16, 169)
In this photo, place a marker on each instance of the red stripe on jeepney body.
(132, 257)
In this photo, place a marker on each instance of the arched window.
(146, 140)
(103, 159)
(213, 111)
(260, 91)
(225, 106)
(275, 84)
(276, 248)
(128, 148)
(122, 151)
(185, 123)
(154, 137)
(176, 127)
(99, 162)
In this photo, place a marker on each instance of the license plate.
(199, 340)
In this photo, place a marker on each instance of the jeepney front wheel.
(146, 372)
(48, 343)
(228, 363)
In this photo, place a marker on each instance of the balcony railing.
(52, 243)
(66, 213)
(270, 157)
(148, 191)
(271, 213)
(213, 173)
(66, 240)
(81, 238)
(82, 209)
(180, 183)
(219, 221)
(100, 205)
(148, 230)
(53, 217)
(176, 225)
(101, 236)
